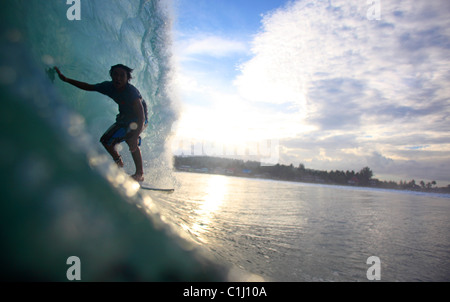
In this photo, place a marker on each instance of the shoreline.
(442, 194)
(247, 170)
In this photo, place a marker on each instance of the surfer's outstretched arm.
(78, 84)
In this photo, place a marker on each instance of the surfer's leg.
(112, 137)
(115, 155)
(137, 158)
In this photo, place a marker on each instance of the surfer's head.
(120, 75)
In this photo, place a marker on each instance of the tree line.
(236, 167)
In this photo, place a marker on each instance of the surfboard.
(156, 189)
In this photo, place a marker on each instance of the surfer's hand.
(61, 76)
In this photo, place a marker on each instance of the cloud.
(211, 46)
(336, 103)
(309, 43)
(367, 90)
(338, 90)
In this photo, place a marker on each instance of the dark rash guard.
(124, 99)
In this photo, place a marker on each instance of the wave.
(62, 196)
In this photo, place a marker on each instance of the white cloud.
(210, 45)
(341, 91)
(354, 78)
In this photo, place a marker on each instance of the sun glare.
(216, 190)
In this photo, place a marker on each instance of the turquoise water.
(135, 33)
(61, 196)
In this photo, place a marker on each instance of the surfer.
(131, 120)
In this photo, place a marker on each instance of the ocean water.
(136, 33)
(61, 195)
(286, 231)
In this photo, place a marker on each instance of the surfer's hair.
(126, 68)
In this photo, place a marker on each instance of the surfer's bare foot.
(138, 177)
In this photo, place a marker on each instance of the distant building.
(354, 181)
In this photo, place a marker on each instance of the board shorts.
(118, 133)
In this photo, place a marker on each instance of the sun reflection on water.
(217, 188)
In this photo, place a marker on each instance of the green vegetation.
(235, 167)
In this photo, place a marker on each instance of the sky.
(332, 85)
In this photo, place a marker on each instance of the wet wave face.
(61, 196)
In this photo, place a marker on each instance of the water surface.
(285, 231)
